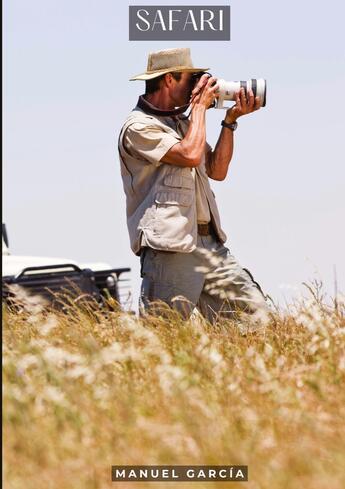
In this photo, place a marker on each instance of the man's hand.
(205, 91)
(244, 105)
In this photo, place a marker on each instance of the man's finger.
(243, 98)
(237, 99)
(203, 80)
(257, 103)
(197, 89)
(201, 83)
(205, 77)
(250, 100)
(194, 98)
(212, 80)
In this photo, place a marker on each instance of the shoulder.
(138, 118)
(138, 122)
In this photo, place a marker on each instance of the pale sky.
(66, 95)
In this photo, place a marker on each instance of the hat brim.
(154, 74)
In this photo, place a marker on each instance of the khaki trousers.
(209, 278)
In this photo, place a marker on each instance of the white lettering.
(174, 475)
(132, 473)
(171, 18)
(201, 473)
(203, 20)
(120, 473)
(241, 474)
(160, 21)
(221, 19)
(192, 21)
(223, 471)
(190, 473)
(155, 473)
(212, 473)
(165, 473)
(143, 473)
(144, 20)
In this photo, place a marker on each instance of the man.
(172, 215)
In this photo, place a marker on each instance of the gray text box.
(179, 23)
(181, 473)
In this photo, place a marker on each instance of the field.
(87, 389)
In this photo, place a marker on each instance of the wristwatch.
(232, 126)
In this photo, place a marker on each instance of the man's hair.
(153, 85)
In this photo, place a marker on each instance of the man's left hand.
(244, 105)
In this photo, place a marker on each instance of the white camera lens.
(228, 90)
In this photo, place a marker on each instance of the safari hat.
(168, 61)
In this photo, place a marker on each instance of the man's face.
(181, 90)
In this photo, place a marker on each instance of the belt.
(205, 229)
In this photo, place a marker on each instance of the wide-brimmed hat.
(168, 61)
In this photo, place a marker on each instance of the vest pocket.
(179, 181)
(174, 198)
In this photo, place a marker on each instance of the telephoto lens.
(228, 90)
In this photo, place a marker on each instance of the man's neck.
(159, 100)
(149, 108)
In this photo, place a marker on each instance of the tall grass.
(88, 388)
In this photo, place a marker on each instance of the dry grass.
(89, 389)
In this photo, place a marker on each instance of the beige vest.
(161, 203)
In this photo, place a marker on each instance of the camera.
(228, 89)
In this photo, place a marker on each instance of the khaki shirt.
(164, 201)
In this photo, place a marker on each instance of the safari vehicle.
(56, 279)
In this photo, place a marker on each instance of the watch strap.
(232, 126)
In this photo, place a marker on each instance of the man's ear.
(168, 78)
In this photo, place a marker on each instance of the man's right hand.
(205, 91)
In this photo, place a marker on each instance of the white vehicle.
(53, 278)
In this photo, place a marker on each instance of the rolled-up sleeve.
(148, 142)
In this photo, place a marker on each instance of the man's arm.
(190, 150)
(218, 161)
